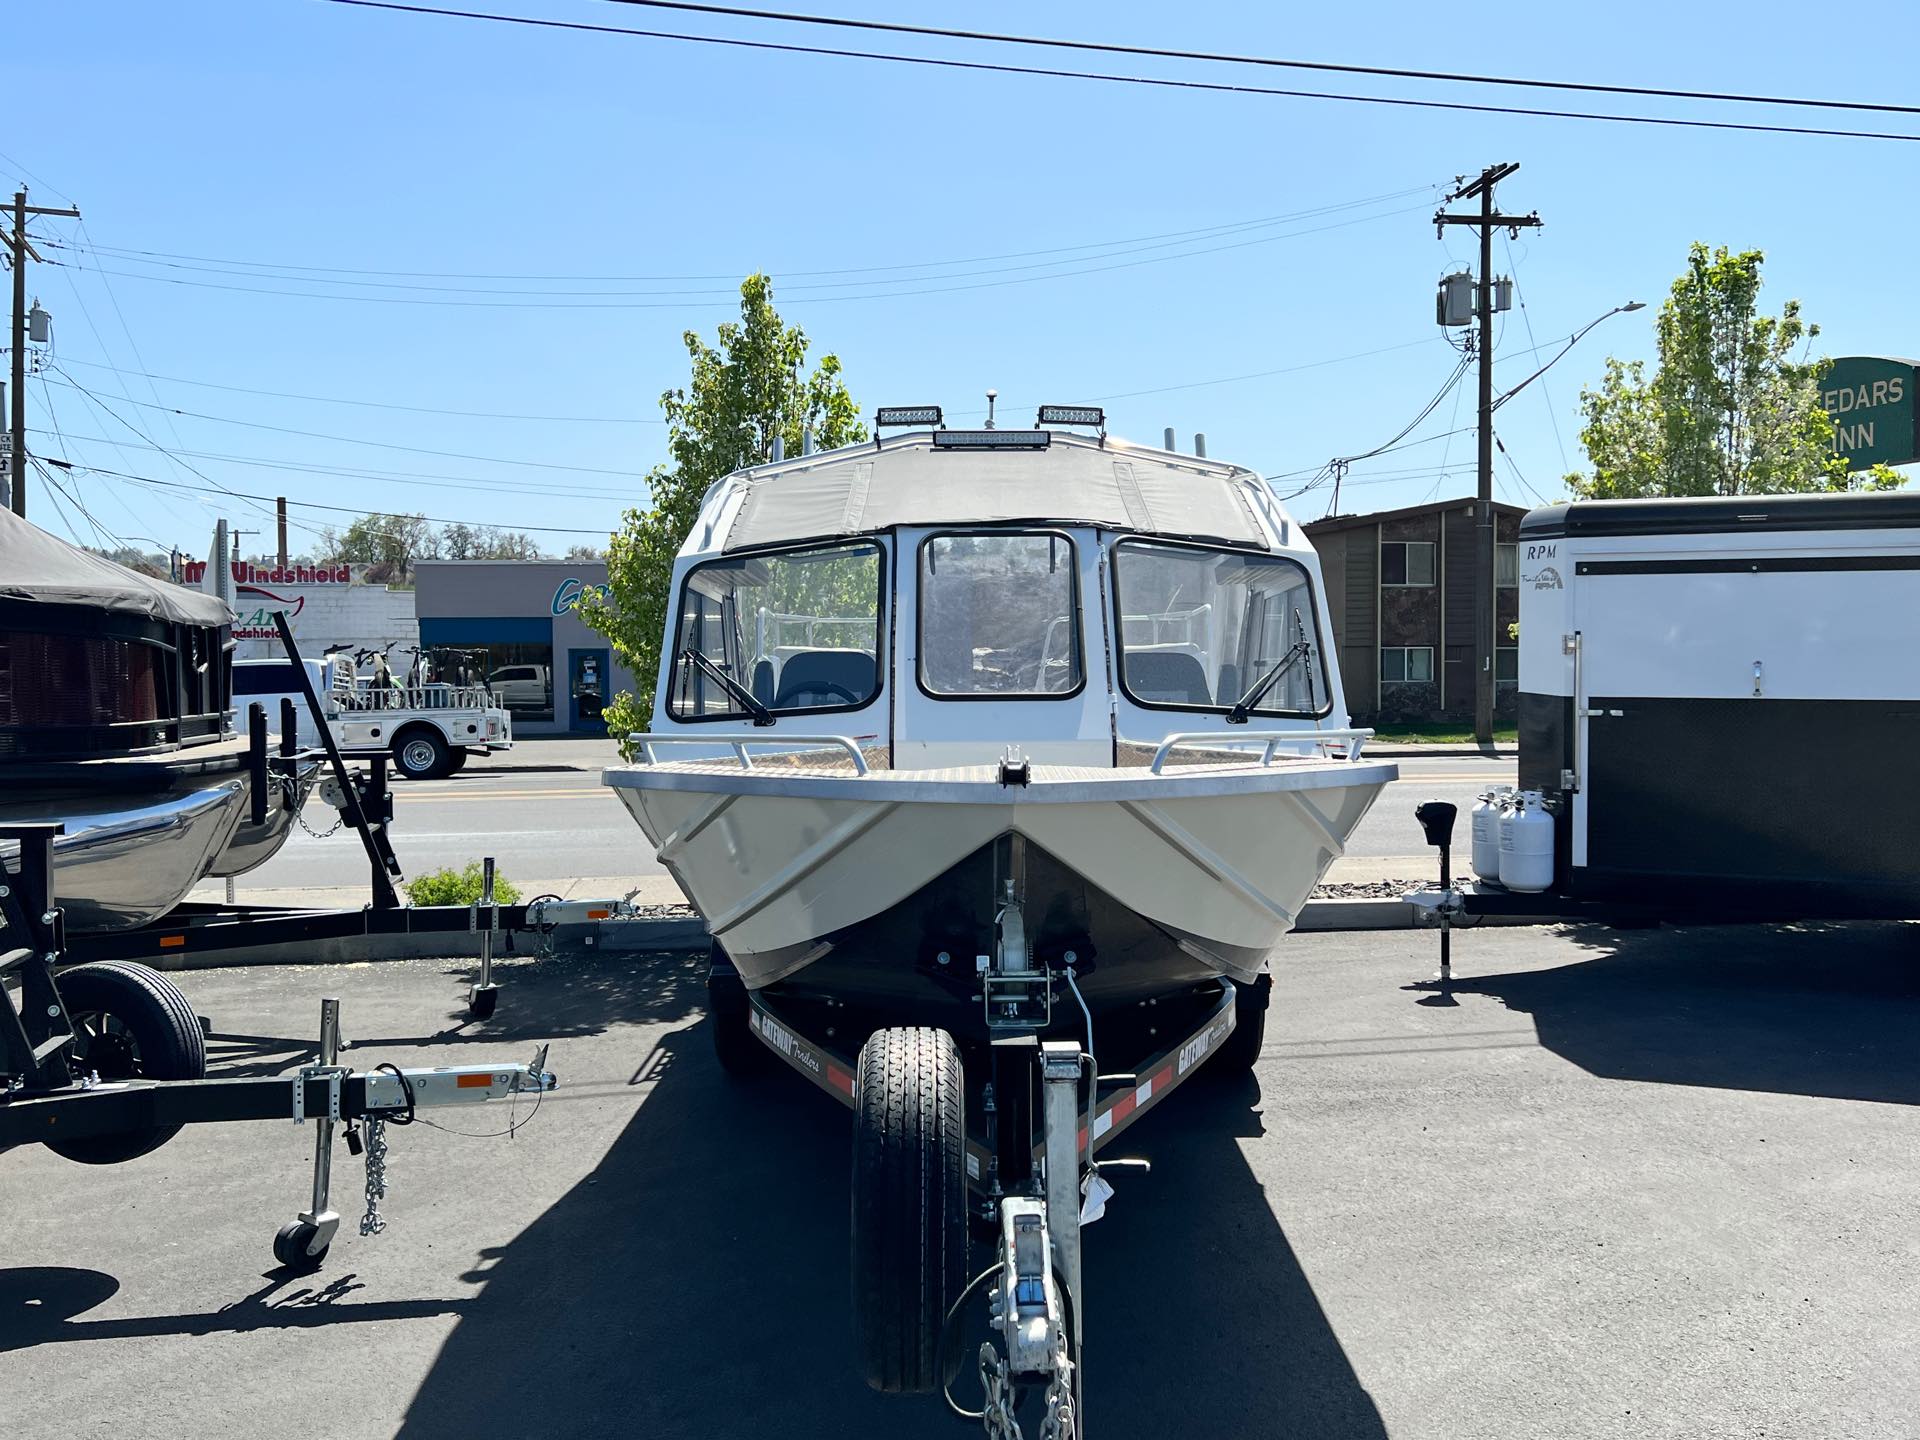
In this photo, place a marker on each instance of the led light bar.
(1073, 415)
(992, 439)
(891, 415)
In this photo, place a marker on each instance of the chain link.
(339, 820)
(1061, 1423)
(997, 1413)
(372, 1223)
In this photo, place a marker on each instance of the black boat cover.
(40, 569)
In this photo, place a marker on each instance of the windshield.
(1200, 629)
(998, 616)
(787, 631)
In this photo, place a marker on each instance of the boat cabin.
(941, 595)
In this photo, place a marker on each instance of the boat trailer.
(1031, 1175)
(105, 1062)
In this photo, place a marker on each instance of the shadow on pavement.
(1804, 1009)
(696, 1285)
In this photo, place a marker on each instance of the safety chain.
(301, 821)
(1060, 1423)
(372, 1223)
(997, 1412)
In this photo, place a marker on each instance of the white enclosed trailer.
(1720, 699)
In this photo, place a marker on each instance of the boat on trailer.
(985, 753)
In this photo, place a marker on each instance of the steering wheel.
(828, 689)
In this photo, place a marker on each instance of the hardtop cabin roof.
(1727, 514)
(920, 479)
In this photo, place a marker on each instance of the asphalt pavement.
(1639, 1183)
(544, 826)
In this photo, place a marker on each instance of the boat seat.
(1167, 677)
(763, 682)
(818, 678)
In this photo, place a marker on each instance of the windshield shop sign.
(1871, 399)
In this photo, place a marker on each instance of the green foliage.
(393, 542)
(1729, 410)
(485, 542)
(743, 391)
(626, 714)
(459, 887)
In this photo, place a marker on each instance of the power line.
(72, 384)
(1204, 232)
(1521, 297)
(729, 304)
(262, 270)
(1329, 67)
(348, 509)
(375, 404)
(1160, 82)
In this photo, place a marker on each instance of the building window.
(1406, 664)
(1506, 668)
(518, 674)
(1506, 565)
(1406, 562)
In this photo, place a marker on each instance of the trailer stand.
(303, 1243)
(484, 995)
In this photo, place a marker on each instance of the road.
(542, 825)
(1649, 1184)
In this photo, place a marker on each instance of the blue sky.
(294, 133)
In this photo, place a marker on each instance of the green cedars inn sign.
(1872, 401)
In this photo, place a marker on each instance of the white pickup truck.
(428, 730)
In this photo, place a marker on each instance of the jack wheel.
(290, 1248)
(735, 1046)
(909, 1207)
(135, 1025)
(481, 1003)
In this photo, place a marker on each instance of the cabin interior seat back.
(1167, 677)
(763, 682)
(824, 678)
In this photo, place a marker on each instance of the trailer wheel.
(457, 760)
(290, 1248)
(735, 1046)
(421, 753)
(909, 1206)
(137, 1026)
(1242, 1050)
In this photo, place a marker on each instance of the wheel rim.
(417, 755)
(112, 1052)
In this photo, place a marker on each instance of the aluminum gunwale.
(943, 788)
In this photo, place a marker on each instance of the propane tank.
(1486, 832)
(1526, 844)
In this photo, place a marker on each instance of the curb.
(658, 934)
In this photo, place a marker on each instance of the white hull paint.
(1223, 855)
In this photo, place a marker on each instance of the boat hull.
(121, 864)
(862, 881)
(253, 845)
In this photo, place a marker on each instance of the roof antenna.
(992, 395)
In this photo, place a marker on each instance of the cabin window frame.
(881, 631)
(1126, 539)
(1077, 616)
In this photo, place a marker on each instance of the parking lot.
(1648, 1183)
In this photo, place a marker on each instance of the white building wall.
(369, 616)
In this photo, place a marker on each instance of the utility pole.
(280, 514)
(19, 248)
(1485, 596)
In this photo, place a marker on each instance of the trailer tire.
(1242, 1050)
(139, 1027)
(909, 1206)
(457, 761)
(420, 752)
(735, 1046)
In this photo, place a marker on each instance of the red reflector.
(598, 914)
(474, 1082)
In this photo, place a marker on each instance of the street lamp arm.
(1572, 341)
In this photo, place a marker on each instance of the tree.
(1729, 410)
(743, 392)
(486, 542)
(582, 553)
(391, 542)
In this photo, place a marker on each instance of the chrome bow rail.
(739, 743)
(1354, 740)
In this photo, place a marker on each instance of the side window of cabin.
(785, 631)
(999, 616)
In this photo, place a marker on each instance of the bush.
(459, 887)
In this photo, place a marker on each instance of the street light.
(1573, 340)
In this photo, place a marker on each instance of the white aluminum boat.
(957, 706)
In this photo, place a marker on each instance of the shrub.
(459, 887)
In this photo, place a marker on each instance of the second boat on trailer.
(985, 753)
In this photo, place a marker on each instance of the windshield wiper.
(761, 714)
(1243, 707)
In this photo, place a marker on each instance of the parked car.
(522, 687)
